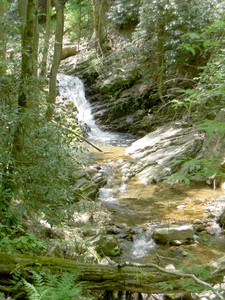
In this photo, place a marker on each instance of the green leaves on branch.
(196, 170)
(208, 38)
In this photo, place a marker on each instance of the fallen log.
(68, 52)
(149, 278)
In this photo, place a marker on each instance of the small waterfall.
(72, 88)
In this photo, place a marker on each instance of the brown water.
(164, 204)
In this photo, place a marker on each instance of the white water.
(72, 88)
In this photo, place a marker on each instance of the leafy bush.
(17, 239)
(124, 12)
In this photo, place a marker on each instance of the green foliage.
(16, 239)
(124, 12)
(48, 287)
(167, 23)
(196, 169)
(79, 19)
(45, 178)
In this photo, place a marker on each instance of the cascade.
(152, 202)
(72, 88)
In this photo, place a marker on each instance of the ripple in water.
(142, 243)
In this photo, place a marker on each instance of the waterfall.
(72, 88)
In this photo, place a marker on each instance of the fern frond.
(38, 279)
(31, 290)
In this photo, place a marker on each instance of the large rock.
(160, 153)
(173, 233)
(107, 245)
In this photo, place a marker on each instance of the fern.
(31, 290)
(48, 287)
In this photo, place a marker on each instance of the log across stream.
(94, 277)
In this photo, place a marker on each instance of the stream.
(145, 207)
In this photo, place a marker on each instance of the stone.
(172, 233)
(197, 221)
(107, 245)
(154, 155)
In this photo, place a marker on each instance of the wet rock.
(173, 233)
(90, 231)
(107, 245)
(197, 221)
(186, 296)
(198, 225)
(99, 179)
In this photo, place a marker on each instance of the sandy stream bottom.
(165, 204)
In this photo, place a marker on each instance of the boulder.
(173, 233)
(107, 245)
(160, 153)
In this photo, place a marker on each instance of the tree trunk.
(99, 9)
(161, 39)
(22, 10)
(47, 38)
(2, 37)
(36, 40)
(136, 278)
(56, 58)
(26, 92)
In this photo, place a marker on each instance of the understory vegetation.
(153, 61)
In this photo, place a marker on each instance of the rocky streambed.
(135, 220)
(137, 216)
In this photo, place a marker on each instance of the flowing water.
(72, 88)
(145, 207)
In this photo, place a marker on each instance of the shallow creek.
(148, 206)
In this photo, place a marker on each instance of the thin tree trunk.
(56, 58)
(161, 39)
(36, 40)
(47, 38)
(2, 36)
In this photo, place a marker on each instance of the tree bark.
(47, 38)
(161, 39)
(2, 36)
(56, 58)
(99, 12)
(26, 92)
(136, 278)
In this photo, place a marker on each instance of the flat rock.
(172, 233)
(159, 153)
